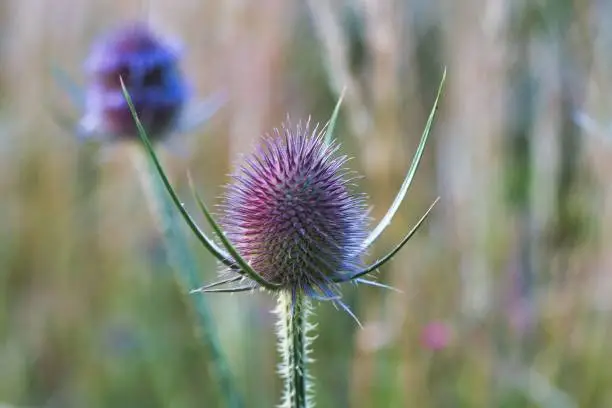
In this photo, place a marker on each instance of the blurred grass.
(515, 261)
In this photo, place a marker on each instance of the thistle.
(293, 226)
(290, 212)
(149, 65)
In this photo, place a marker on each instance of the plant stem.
(293, 343)
(186, 274)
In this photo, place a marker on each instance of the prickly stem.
(294, 346)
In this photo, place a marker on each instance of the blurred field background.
(507, 290)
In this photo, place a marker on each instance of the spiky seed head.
(291, 213)
(149, 67)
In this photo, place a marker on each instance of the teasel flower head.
(149, 66)
(291, 212)
(291, 220)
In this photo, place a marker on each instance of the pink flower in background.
(436, 336)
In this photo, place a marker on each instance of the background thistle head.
(149, 67)
(291, 213)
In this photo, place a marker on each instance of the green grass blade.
(329, 134)
(187, 267)
(386, 220)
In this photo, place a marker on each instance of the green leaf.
(386, 220)
(329, 134)
(395, 250)
(208, 243)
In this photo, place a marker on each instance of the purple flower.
(149, 67)
(292, 215)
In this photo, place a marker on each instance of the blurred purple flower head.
(291, 214)
(149, 67)
(436, 336)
